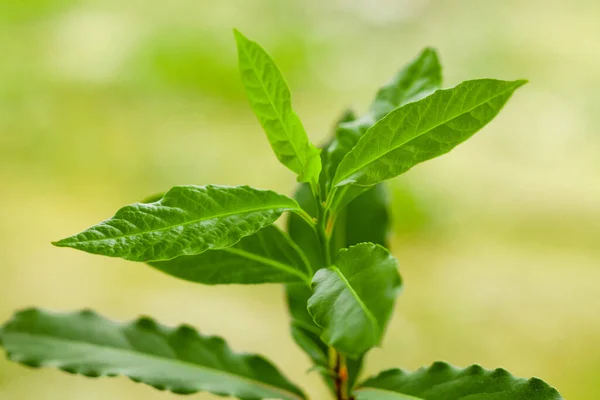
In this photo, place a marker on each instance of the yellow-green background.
(103, 102)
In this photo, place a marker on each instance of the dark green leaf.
(444, 382)
(423, 130)
(416, 80)
(187, 220)
(353, 299)
(176, 359)
(270, 100)
(307, 335)
(268, 256)
(302, 234)
(364, 219)
(304, 331)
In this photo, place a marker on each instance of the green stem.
(325, 223)
(306, 217)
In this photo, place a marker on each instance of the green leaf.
(268, 256)
(187, 220)
(416, 80)
(443, 382)
(302, 234)
(176, 359)
(307, 335)
(354, 299)
(270, 100)
(423, 130)
(153, 198)
(304, 331)
(421, 77)
(364, 219)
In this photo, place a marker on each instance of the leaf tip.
(429, 50)
(61, 243)
(239, 36)
(521, 82)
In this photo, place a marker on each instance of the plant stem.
(341, 377)
(324, 239)
(324, 227)
(323, 232)
(307, 218)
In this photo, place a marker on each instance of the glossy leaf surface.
(268, 256)
(416, 80)
(175, 359)
(354, 299)
(187, 220)
(423, 130)
(270, 100)
(444, 382)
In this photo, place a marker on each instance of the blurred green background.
(105, 102)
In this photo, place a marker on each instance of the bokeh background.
(103, 102)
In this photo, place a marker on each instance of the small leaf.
(187, 220)
(416, 80)
(423, 130)
(443, 382)
(307, 336)
(353, 299)
(270, 100)
(176, 359)
(268, 256)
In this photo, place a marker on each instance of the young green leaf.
(421, 77)
(354, 298)
(416, 80)
(423, 130)
(268, 256)
(187, 220)
(176, 359)
(270, 100)
(442, 382)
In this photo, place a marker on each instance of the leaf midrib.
(271, 100)
(155, 357)
(243, 211)
(414, 137)
(362, 305)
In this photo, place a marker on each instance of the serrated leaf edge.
(147, 321)
(474, 369)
